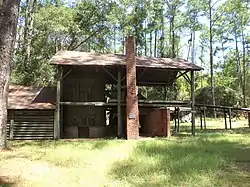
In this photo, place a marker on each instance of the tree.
(211, 59)
(8, 20)
(236, 17)
(162, 28)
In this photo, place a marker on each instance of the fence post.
(178, 119)
(230, 117)
(225, 117)
(205, 124)
(201, 117)
(248, 115)
(175, 116)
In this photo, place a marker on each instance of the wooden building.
(92, 86)
(31, 113)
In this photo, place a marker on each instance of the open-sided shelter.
(91, 84)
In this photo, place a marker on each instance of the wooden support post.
(230, 118)
(119, 95)
(225, 118)
(178, 119)
(168, 132)
(175, 117)
(248, 115)
(57, 111)
(11, 129)
(204, 116)
(201, 118)
(193, 103)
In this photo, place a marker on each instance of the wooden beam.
(114, 102)
(149, 105)
(181, 74)
(157, 102)
(223, 107)
(186, 77)
(61, 126)
(57, 111)
(110, 74)
(193, 102)
(149, 83)
(141, 74)
(67, 73)
(97, 104)
(119, 95)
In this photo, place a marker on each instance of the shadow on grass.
(186, 131)
(22, 143)
(77, 143)
(4, 182)
(197, 161)
(242, 130)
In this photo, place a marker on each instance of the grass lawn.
(209, 159)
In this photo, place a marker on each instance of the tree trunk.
(145, 38)
(223, 53)
(170, 38)
(25, 30)
(123, 43)
(202, 65)
(28, 28)
(211, 55)
(145, 44)
(150, 43)
(173, 39)
(162, 31)
(244, 66)
(8, 22)
(155, 46)
(193, 48)
(114, 40)
(238, 66)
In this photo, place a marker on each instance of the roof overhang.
(23, 97)
(75, 58)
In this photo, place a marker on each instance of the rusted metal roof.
(22, 97)
(98, 59)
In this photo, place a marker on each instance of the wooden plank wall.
(30, 124)
(83, 85)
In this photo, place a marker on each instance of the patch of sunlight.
(209, 159)
(66, 165)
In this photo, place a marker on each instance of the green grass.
(213, 125)
(210, 159)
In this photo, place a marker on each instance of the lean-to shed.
(31, 112)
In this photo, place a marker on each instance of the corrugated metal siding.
(31, 124)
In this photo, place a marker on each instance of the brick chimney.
(131, 100)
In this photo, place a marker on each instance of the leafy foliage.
(223, 96)
(162, 28)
